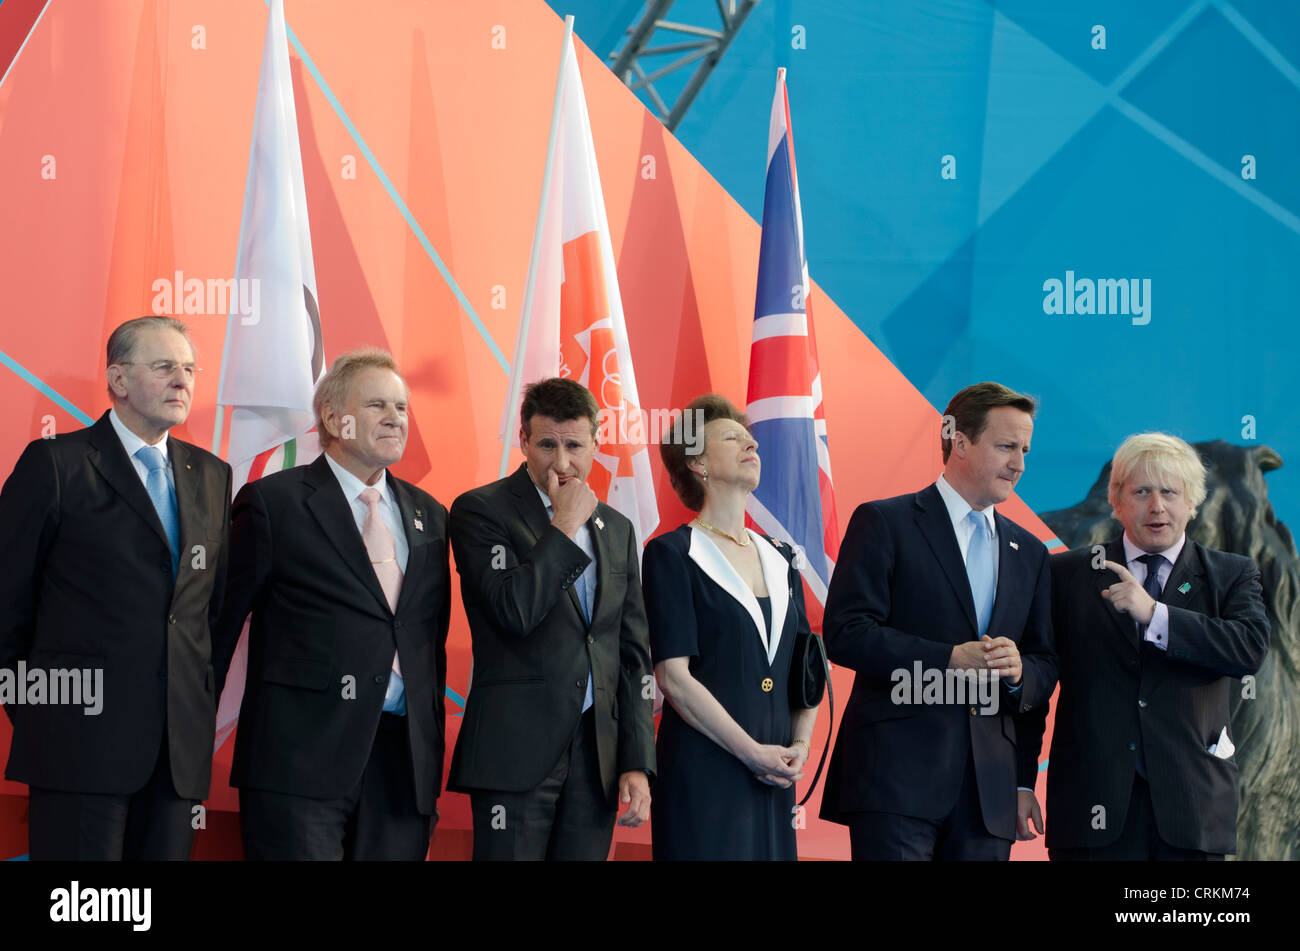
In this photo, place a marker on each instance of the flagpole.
(216, 430)
(521, 341)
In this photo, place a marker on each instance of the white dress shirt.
(1158, 630)
(958, 509)
(133, 444)
(352, 489)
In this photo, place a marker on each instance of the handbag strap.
(830, 727)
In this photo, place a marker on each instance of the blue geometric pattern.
(1114, 163)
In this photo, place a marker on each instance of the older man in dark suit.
(1154, 633)
(939, 587)
(344, 568)
(559, 726)
(114, 564)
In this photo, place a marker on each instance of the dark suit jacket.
(532, 647)
(900, 595)
(1118, 691)
(322, 636)
(87, 583)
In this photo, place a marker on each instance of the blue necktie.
(1152, 583)
(979, 569)
(163, 497)
(580, 589)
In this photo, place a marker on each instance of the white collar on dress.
(714, 563)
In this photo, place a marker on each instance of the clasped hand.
(777, 765)
(998, 655)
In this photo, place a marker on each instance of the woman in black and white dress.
(725, 605)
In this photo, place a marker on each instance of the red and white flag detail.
(574, 322)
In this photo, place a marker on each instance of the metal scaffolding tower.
(708, 46)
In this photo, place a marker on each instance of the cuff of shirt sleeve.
(1158, 629)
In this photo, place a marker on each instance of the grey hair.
(122, 341)
(334, 385)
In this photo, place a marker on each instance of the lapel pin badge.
(1184, 588)
(1015, 545)
(599, 523)
(419, 525)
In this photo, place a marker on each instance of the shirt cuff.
(1016, 688)
(1158, 629)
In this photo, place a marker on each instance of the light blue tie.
(163, 497)
(979, 569)
(580, 589)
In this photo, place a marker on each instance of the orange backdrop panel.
(423, 147)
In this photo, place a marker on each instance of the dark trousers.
(565, 818)
(961, 836)
(377, 820)
(1139, 841)
(152, 824)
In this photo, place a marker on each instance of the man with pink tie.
(344, 569)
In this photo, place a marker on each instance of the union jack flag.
(795, 500)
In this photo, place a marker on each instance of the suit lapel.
(936, 527)
(189, 522)
(334, 515)
(776, 571)
(416, 545)
(1012, 574)
(1103, 579)
(532, 512)
(714, 564)
(1188, 570)
(110, 460)
(603, 547)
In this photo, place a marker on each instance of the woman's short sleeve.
(669, 601)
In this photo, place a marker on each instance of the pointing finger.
(1124, 574)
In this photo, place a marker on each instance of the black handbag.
(810, 678)
(808, 672)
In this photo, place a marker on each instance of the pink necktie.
(383, 555)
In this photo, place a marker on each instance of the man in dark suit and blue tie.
(115, 561)
(559, 725)
(938, 585)
(1155, 632)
